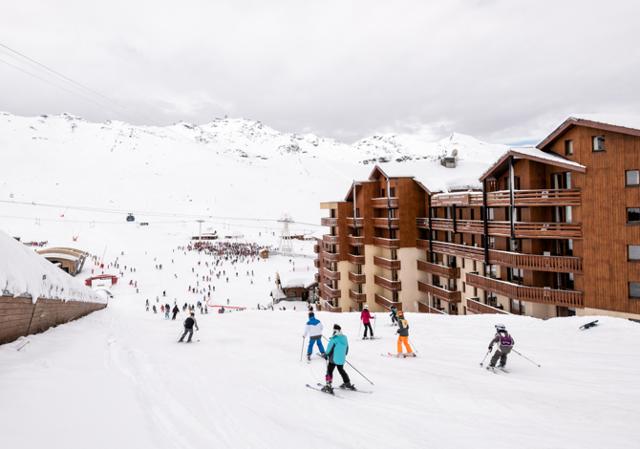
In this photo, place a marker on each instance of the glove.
(490, 348)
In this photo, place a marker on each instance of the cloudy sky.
(501, 70)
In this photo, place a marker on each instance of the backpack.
(506, 340)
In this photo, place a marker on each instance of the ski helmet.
(336, 327)
(366, 306)
(500, 327)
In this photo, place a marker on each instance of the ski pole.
(302, 348)
(375, 322)
(356, 370)
(485, 357)
(527, 358)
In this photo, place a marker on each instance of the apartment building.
(550, 231)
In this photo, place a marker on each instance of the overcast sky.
(504, 71)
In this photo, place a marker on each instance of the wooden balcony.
(388, 284)
(422, 244)
(357, 297)
(387, 303)
(455, 249)
(462, 199)
(316, 248)
(470, 226)
(440, 270)
(316, 276)
(386, 243)
(329, 274)
(442, 293)
(330, 239)
(327, 292)
(536, 230)
(325, 221)
(329, 307)
(440, 224)
(542, 295)
(556, 264)
(386, 223)
(356, 240)
(426, 308)
(316, 263)
(355, 222)
(538, 197)
(329, 257)
(476, 307)
(355, 259)
(422, 223)
(384, 203)
(389, 264)
(357, 278)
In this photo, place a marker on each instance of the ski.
(325, 392)
(588, 325)
(23, 345)
(398, 356)
(355, 391)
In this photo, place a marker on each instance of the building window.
(634, 290)
(633, 252)
(632, 177)
(598, 143)
(568, 147)
(392, 192)
(633, 215)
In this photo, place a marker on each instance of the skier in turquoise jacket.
(337, 351)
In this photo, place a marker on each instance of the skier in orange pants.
(403, 336)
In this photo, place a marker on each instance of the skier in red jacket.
(366, 317)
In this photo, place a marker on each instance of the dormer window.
(598, 143)
(568, 147)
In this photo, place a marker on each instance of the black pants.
(499, 355)
(187, 331)
(368, 326)
(343, 373)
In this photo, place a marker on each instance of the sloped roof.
(534, 154)
(618, 124)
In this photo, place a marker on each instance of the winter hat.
(311, 315)
(400, 313)
(336, 327)
(366, 306)
(500, 327)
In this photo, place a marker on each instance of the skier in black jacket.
(175, 311)
(189, 323)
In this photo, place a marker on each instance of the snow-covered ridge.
(25, 273)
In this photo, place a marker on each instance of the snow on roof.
(60, 256)
(534, 153)
(626, 121)
(23, 272)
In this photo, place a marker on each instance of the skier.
(505, 343)
(167, 311)
(337, 351)
(366, 318)
(394, 315)
(189, 323)
(313, 329)
(175, 312)
(403, 335)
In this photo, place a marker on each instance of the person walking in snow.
(403, 335)
(394, 315)
(366, 317)
(505, 342)
(313, 330)
(167, 311)
(337, 351)
(175, 312)
(189, 323)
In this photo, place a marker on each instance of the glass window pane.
(634, 252)
(634, 289)
(633, 214)
(633, 177)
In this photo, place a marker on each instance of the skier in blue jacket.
(337, 351)
(313, 330)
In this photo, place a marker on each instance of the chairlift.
(131, 218)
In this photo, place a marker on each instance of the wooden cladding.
(330, 274)
(355, 259)
(327, 292)
(390, 223)
(325, 221)
(387, 303)
(522, 229)
(20, 316)
(355, 222)
(356, 240)
(442, 293)
(387, 283)
(542, 295)
(357, 278)
(384, 203)
(389, 264)
(386, 243)
(558, 264)
(329, 307)
(464, 199)
(440, 270)
(502, 198)
(476, 307)
(330, 239)
(329, 257)
(357, 296)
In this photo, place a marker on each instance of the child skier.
(313, 330)
(366, 318)
(403, 335)
(189, 323)
(505, 343)
(394, 315)
(337, 351)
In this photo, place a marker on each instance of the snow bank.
(25, 273)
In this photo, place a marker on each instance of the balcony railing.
(357, 297)
(542, 295)
(522, 229)
(387, 283)
(538, 197)
(326, 305)
(329, 257)
(442, 293)
(426, 308)
(455, 249)
(356, 240)
(357, 278)
(463, 199)
(326, 221)
(387, 303)
(476, 307)
(329, 274)
(357, 222)
(327, 292)
(355, 259)
(316, 248)
(557, 264)
(330, 239)
(389, 264)
(316, 263)
(316, 276)
(386, 243)
(440, 270)
(385, 222)
(384, 202)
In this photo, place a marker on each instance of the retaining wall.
(20, 316)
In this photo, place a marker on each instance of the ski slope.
(118, 378)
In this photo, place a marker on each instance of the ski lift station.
(70, 260)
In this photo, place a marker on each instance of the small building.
(206, 236)
(70, 260)
(294, 289)
(101, 280)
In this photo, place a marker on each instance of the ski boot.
(348, 386)
(308, 357)
(327, 388)
(323, 355)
